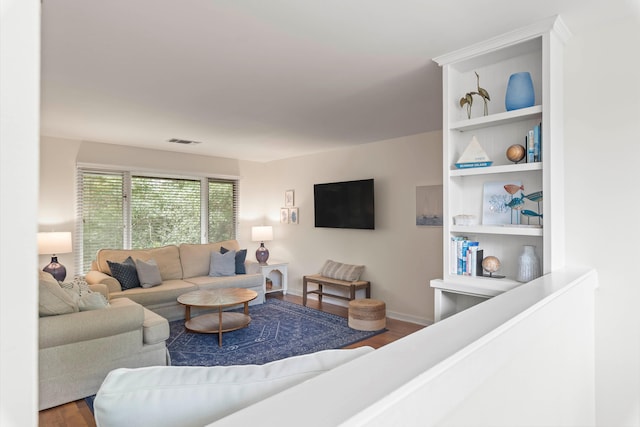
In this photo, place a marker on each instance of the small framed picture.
(293, 216)
(284, 215)
(288, 198)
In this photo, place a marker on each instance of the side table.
(276, 272)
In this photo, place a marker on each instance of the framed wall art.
(293, 216)
(429, 205)
(284, 215)
(288, 198)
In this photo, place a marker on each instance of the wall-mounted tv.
(346, 204)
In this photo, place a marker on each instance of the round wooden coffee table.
(217, 323)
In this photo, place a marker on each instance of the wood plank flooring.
(77, 414)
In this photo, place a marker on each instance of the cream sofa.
(77, 349)
(196, 396)
(183, 268)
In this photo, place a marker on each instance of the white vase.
(528, 264)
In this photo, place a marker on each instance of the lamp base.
(57, 270)
(262, 254)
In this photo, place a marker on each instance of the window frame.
(127, 174)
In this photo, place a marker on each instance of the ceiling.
(264, 80)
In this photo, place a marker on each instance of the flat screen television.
(346, 204)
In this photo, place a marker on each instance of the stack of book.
(533, 143)
(465, 256)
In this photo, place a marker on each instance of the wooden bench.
(326, 281)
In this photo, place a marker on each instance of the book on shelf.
(533, 144)
(465, 257)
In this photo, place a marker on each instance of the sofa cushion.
(148, 273)
(196, 258)
(241, 257)
(196, 396)
(125, 272)
(236, 281)
(340, 271)
(167, 258)
(168, 291)
(223, 264)
(52, 299)
(155, 328)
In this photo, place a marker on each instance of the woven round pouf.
(367, 314)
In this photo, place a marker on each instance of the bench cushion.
(340, 271)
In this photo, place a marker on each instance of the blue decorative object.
(519, 92)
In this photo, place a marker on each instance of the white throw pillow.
(188, 396)
(82, 296)
(148, 273)
(222, 264)
(53, 300)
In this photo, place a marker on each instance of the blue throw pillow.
(241, 256)
(125, 273)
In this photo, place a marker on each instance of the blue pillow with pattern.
(125, 273)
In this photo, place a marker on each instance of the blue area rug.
(278, 329)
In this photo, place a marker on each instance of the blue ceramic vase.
(519, 92)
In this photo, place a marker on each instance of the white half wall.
(602, 148)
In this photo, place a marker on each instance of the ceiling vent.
(183, 141)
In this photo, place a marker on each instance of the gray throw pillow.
(148, 273)
(222, 264)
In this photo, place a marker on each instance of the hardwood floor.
(77, 414)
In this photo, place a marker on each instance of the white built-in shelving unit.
(538, 50)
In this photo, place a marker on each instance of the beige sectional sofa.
(77, 349)
(183, 268)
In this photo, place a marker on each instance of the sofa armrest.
(100, 288)
(95, 277)
(252, 267)
(86, 325)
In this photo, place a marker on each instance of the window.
(122, 210)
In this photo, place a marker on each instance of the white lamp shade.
(262, 233)
(54, 243)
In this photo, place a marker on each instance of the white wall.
(19, 124)
(400, 258)
(602, 148)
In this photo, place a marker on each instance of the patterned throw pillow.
(241, 256)
(125, 273)
(83, 296)
(340, 271)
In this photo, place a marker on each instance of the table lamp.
(262, 234)
(55, 243)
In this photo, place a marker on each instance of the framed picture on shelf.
(293, 216)
(284, 215)
(288, 198)
(501, 203)
(429, 210)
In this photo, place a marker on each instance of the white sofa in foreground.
(196, 396)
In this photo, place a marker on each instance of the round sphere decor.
(491, 264)
(516, 153)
